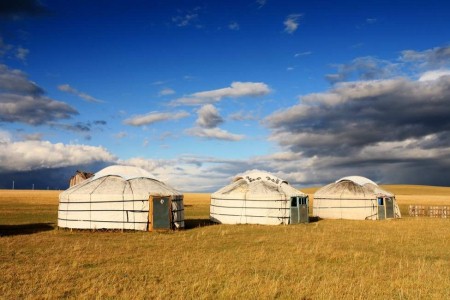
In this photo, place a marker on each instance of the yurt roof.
(257, 184)
(254, 175)
(126, 172)
(125, 182)
(352, 187)
(357, 179)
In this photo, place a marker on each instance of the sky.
(197, 92)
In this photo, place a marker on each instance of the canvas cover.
(115, 198)
(352, 197)
(254, 197)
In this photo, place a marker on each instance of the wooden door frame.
(150, 212)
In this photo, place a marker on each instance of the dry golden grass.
(407, 258)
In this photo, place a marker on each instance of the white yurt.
(121, 197)
(258, 197)
(355, 198)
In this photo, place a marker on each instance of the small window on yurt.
(302, 201)
(294, 201)
(380, 201)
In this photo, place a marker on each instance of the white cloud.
(153, 117)
(214, 133)
(291, 23)
(166, 92)
(32, 155)
(300, 54)
(236, 90)
(5, 137)
(67, 88)
(433, 75)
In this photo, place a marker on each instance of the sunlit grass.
(407, 258)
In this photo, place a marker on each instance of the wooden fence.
(429, 211)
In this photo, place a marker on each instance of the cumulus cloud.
(16, 82)
(438, 57)
(22, 100)
(433, 75)
(236, 90)
(371, 126)
(191, 173)
(363, 68)
(207, 122)
(32, 110)
(68, 89)
(214, 133)
(33, 155)
(208, 116)
(291, 23)
(153, 117)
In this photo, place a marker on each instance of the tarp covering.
(254, 197)
(116, 197)
(352, 197)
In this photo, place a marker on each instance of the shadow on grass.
(314, 219)
(19, 229)
(194, 223)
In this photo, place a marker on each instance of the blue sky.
(198, 91)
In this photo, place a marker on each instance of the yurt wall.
(118, 198)
(255, 197)
(356, 198)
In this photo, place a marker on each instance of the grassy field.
(408, 258)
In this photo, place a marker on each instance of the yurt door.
(159, 214)
(381, 209)
(389, 202)
(299, 210)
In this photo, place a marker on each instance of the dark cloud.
(363, 68)
(393, 131)
(32, 110)
(75, 127)
(47, 178)
(21, 100)
(16, 82)
(208, 116)
(358, 114)
(20, 8)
